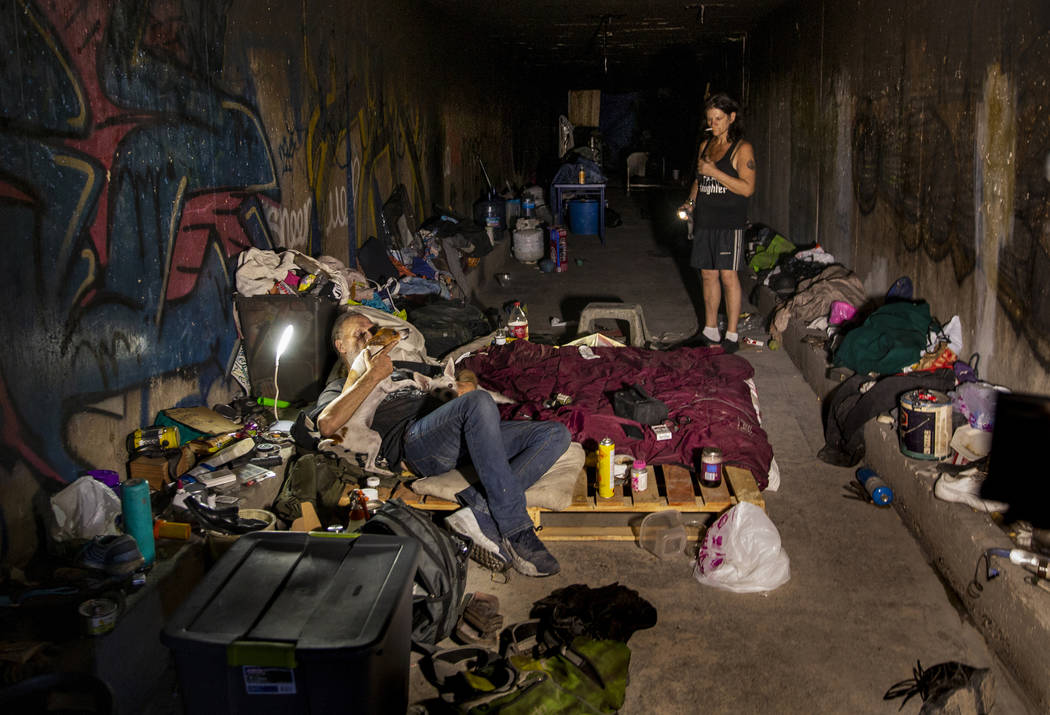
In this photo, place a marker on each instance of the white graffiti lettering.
(290, 227)
(337, 212)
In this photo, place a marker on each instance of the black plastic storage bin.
(288, 622)
(309, 356)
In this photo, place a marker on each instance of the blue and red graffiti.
(128, 179)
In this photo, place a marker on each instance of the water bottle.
(879, 491)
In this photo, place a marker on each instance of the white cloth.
(257, 270)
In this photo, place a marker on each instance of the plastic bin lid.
(321, 593)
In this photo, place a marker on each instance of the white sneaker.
(485, 548)
(966, 488)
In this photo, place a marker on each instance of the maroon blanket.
(704, 389)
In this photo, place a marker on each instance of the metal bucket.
(924, 424)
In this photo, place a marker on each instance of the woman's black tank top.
(717, 206)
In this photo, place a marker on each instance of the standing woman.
(718, 199)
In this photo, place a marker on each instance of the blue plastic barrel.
(583, 216)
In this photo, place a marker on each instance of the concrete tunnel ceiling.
(620, 41)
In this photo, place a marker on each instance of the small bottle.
(528, 206)
(583, 178)
(358, 510)
(879, 491)
(518, 323)
(639, 476)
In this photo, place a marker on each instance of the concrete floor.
(863, 604)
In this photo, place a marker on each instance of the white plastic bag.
(85, 509)
(741, 552)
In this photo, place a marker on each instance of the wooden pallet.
(670, 487)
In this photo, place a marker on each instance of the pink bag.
(841, 312)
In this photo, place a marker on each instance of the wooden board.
(651, 495)
(669, 487)
(680, 489)
(743, 485)
(717, 497)
(600, 533)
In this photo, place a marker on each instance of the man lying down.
(403, 419)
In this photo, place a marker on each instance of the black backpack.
(441, 575)
(448, 324)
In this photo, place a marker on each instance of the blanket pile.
(705, 390)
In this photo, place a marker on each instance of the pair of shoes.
(966, 489)
(117, 555)
(484, 537)
(529, 556)
(730, 346)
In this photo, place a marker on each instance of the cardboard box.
(153, 469)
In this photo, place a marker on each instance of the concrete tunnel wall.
(912, 138)
(143, 145)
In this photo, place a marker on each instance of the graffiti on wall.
(922, 167)
(324, 140)
(386, 146)
(911, 160)
(128, 179)
(1025, 261)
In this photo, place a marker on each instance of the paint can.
(924, 424)
(98, 615)
(711, 467)
(606, 450)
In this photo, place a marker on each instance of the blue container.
(880, 492)
(583, 216)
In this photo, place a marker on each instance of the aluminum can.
(711, 467)
(606, 450)
(98, 616)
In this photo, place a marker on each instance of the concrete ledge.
(1012, 615)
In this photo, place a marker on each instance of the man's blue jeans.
(508, 456)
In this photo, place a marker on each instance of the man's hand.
(377, 368)
(382, 365)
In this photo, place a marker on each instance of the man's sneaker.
(528, 554)
(966, 489)
(484, 536)
(730, 346)
(117, 555)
